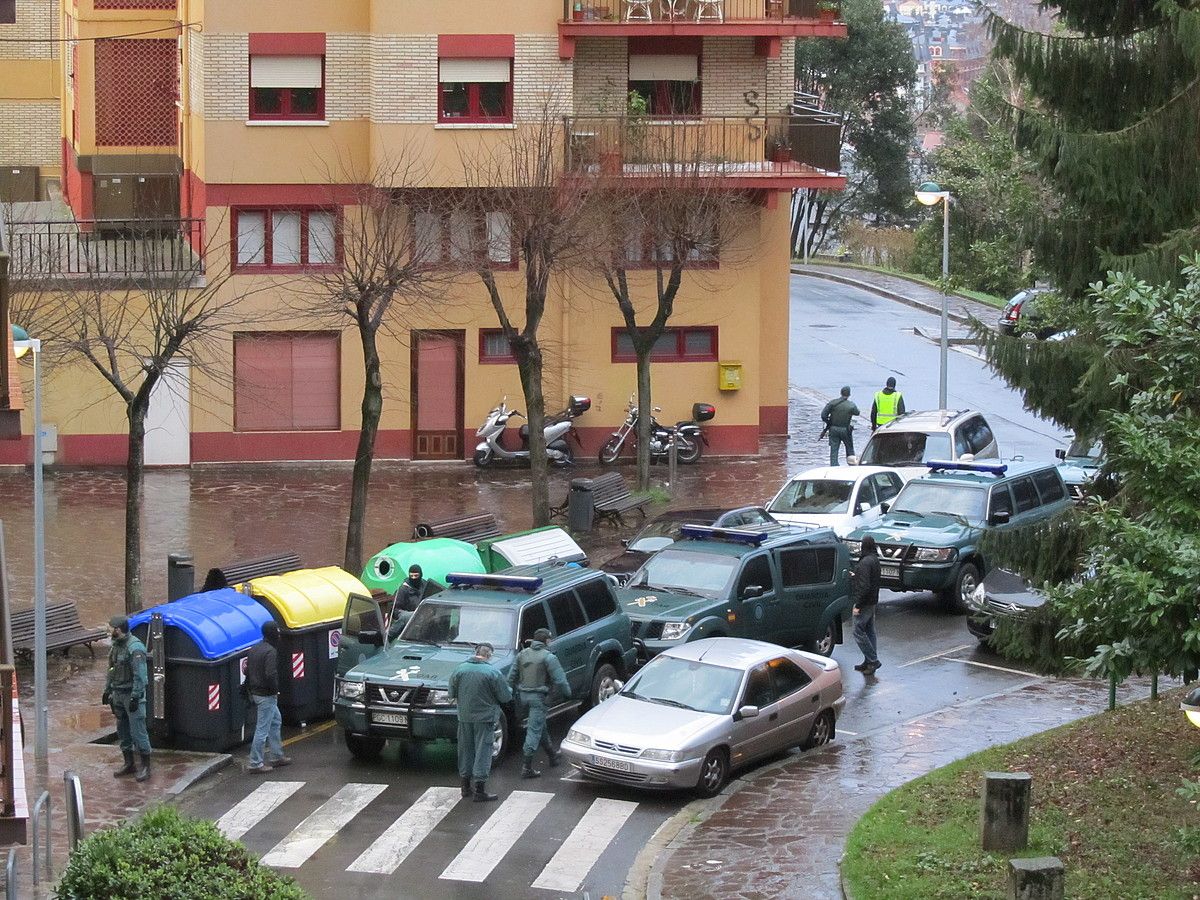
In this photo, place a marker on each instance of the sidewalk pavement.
(902, 290)
(781, 831)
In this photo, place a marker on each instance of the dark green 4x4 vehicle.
(398, 689)
(775, 584)
(929, 537)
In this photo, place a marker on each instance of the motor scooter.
(689, 438)
(492, 445)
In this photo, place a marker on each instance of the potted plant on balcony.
(828, 10)
(779, 148)
(577, 11)
(637, 115)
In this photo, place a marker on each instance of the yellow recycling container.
(308, 605)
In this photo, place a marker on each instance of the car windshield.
(687, 572)
(439, 622)
(814, 495)
(687, 684)
(925, 497)
(905, 448)
(1085, 448)
(657, 535)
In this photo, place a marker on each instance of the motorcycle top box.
(579, 405)
(703, 412)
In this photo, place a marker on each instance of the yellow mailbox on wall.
(729, 376)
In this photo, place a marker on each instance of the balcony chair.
(710, 10)
(638, 11)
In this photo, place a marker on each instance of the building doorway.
(437, 394)
(169, 418)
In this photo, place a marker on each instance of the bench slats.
(464, 528)
(64, 629)
(611, 497)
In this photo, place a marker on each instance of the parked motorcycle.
(492, 444)
(689, 439)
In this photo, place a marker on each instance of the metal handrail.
(106, 247)
(43, 802)
(75, 818)
(8, 787)
(661, 11)
(10, 876)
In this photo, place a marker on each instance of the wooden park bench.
(64, 630)
(464, 528)
(241, 572)
(611, 497)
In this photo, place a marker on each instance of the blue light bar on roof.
(941, 465)
(511, 582)
(736, 535)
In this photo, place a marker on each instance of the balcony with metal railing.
(768, 19)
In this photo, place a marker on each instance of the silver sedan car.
(698, 711)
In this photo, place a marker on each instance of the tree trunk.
(530, 366)
(364, 456)
(644, 414)
(134, 476)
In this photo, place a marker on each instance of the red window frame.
(680, 353)
(285, 114)
(475, 114)
(267, 265)
(446, 259)
(489, 359)
(659, 100)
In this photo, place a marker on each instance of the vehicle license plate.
(386, 718)
(617, 765)
(886, 571)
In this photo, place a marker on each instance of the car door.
(797, 701)
(1000, 501)
(761, 617)
(569, 642)
(752, 737)
(864, 506)
(1025, 496)
(363, 618)
(980, 438)
(887, 486)
(807, 577)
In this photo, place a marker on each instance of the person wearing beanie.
(535, 673)
(887, 405)
(125, 693)
(413, 589)
(262, 684)
(838, 416)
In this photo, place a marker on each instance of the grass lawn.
(980, 296)
(1105, 801)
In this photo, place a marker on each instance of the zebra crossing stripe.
(255, 807)
(402, 837)
(497, 836)
(588, 839)
(310, 835)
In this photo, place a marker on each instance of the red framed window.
(649, 246)
(287, 88)
(668, 82)
(692, 343)
(287, 381)
(494, 347)
(287, 239)
(462, 237)
(475, 90)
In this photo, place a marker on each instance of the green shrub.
(165, 856)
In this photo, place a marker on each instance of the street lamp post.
(22, 344)
(929, 194)
(1191, 706)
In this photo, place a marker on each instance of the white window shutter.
(475, 70)
(251, 238)
(285, 71)
(663, 67)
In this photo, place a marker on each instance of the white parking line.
(255, 807)
(972, 662)
(496, 836)
(842, 731)
(310, 835)
(933, 656)
(402, 837)
(588, 839)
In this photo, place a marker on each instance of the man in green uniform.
(888, 405)
(479, 690)
(532, 676)
(125, 692)
(837, 416)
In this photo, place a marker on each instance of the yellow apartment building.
(230, 126)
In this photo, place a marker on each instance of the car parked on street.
(1079, 465)
(398, 689)
(663, 530)
(702, 710)
(1001, 595)
(911, 441)
(774, 584)
(1022, 316)
(929, 538)
(839, 497)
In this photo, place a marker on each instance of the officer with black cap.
(125, 692)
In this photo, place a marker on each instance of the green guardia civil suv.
(398, 689)
(929, 536)
(776, 584)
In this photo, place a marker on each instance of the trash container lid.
(219, 622)
(307, 597)
(436, 557)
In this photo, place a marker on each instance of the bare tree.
(387, 273)
(130, 329)
(519, 191)
(677, 220)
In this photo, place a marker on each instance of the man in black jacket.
(866, 601)
(262, 684)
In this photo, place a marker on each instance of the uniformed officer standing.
(837, 416)
(125, 692)
(532, 676)
(888, 405)
(480, 690)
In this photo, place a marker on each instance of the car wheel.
(609, 452)
(687, 450)
(565, 458)
(714, 772)
(955, 598)
(500, 737)
(822, 731)
(604, 683)
(363, 747)
(482, 458)
(823, 646)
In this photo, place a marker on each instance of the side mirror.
(884, 507)
(1060, 453)
(372, 637)
(746, 712)
(752, 591)
(1000, 517)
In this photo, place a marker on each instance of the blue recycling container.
(207, 638)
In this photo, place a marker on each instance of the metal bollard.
(581, 506)
(672, 460)
(10, 876)
(43, 803)
(75, 819)
(181, 575)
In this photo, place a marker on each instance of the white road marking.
(496, 837)
(575, 776)
(255, 807)
(310, 835)
(933, 656)
(583, 846)
(842, 731)
(972, 662)
(402, 837)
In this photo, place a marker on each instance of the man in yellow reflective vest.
(888, 405)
